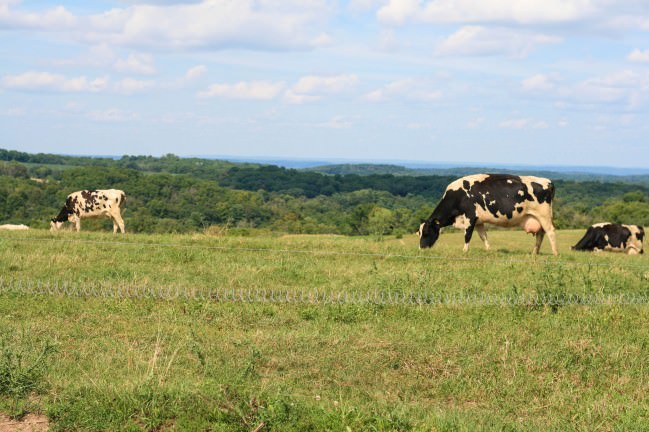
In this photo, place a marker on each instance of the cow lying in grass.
(13, 227)
(90, 204)
(498, 199)
(612, 237)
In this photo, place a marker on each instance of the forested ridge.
(173, 194)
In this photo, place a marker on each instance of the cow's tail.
(121, 198)
(551, 187)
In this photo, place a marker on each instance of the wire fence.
(293, 295)
(311, 296)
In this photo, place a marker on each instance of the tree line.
(172, 194)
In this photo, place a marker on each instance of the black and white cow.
(498, 199)
(91, 203)
(612, 237)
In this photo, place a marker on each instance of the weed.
(23, 366)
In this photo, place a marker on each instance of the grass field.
(141, 364)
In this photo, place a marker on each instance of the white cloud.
(607, 89)
(294, 98)
(626, 89)
(408, 88)
(131, 85)
(638, 56)
(323, 39)
(255, 90)
(337, 122)
(208, 24)
(325, 84)
(56, 19)
(312, 88)
(136, 63)
(398, 12)
(192, 75)
(363, 5)
(97, 56)
(540, 83)
(113, 115)
(195, 72)
(48, 81)
(621, 22)
(475, 123)
(417, 125)
(479, 41)
(523, 123)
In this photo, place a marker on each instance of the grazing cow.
(612, 237)
(12, 227)
(91, 203)
(498, 199)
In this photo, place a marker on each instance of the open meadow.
(199, 362)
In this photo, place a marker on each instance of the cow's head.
(55, 225)
(57, 222)
(637, 236)
(428, 233)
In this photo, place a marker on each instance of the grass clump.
(24, 364)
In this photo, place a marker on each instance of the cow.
(12, 227)
(498, 199)
(607, 236)
(91, 203)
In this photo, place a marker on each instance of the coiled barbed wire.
(313, 296)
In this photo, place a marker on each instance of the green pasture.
(140, 364)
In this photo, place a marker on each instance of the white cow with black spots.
(498, 199)
(91, 204)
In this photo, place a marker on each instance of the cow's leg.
(118, 221)
(467, 235)
(482, 232)
(77, 224)
(539, 240)
(549, 230)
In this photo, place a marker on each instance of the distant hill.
(398, 170)
(364, 169)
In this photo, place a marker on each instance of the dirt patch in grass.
(29, 423)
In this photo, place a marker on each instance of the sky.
(539, 82)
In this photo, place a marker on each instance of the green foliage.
(13, 169)
(381, 221)
(23, 365)
(630, 208)
(311, 184)
(172, 194)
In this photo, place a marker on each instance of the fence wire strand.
(311, 297)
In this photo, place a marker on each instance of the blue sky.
(540, 82)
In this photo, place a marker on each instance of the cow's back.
(115, 196)
(95, 202)
(502, 199)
